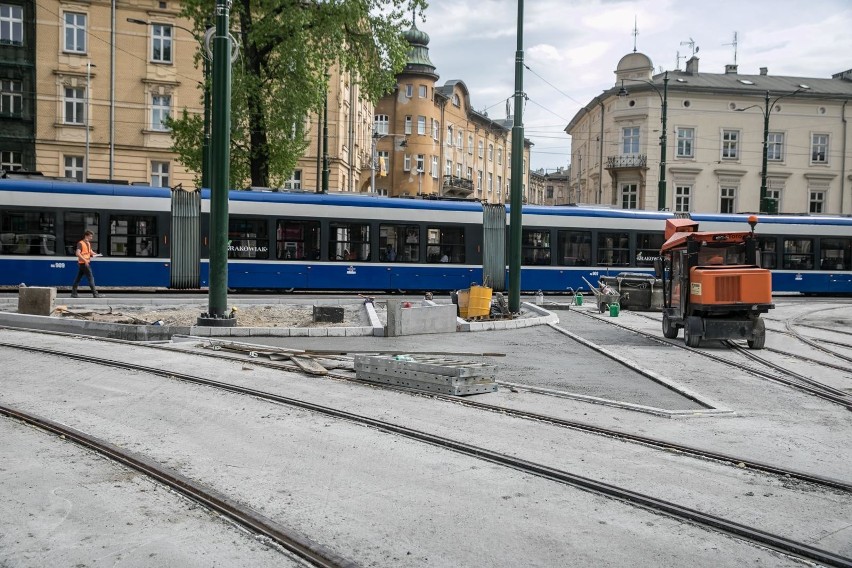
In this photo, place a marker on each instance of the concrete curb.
(545, 318)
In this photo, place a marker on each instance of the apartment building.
(715, 128)
(429, 140)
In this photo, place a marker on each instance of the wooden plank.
(308, 365)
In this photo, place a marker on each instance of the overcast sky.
(572, 47)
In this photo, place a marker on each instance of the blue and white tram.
(307, 241)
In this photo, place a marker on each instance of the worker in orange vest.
(84, 268)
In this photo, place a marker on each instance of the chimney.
(764, 70)
(730, 69)
(692, 66)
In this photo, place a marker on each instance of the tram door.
(186, 240)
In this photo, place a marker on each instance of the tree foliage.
(287, 50)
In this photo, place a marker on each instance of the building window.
(685, 142)
(730, 144)
(481, 148)
(629, 196)
(421, 159)
(775, 146)
(819, 148)
(295, 180)
(409, 91)
(456, 100)
(421, 91)
(490, 182)
(75, 32)
(11, 24)
(500, 156)
(449, 135)
(160, 174)
(630, 140)
(436, 129)
(682, 193)
(816, 201)
(479, 180)
(161, 43)
(11, 97)
(421, 125)
(407, 126)
(74, 167)
(470, 144)
(459, 139)
(75, 100)
(727, 203)
(435, 172)
(448, 170)
(406, 163)
(491, 152)
(381, 124)
(160, 110)
(11, 161)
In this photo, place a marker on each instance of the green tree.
(287, 48)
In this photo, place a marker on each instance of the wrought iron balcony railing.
(461, 187)
(629, 161)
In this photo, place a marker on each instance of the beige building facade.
(715, 126)
(104, 86)
(429, 141)
(107, 74)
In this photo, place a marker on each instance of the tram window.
(835, 254)
(798, 254)
(77, 223)
(399, 243)
(348, 241)
(132, 235)
(613, 249)
(28, 232)
(575, 248)
(768, 248)
(535, 247)
(297, 240)
(445, 244)
(248, 238)
(648, 247)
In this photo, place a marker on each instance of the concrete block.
(337, 332)
(419, 319)
(298, 332)
(328, 314)
(36, 301)
(318, 332)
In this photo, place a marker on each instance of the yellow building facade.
(104, 86)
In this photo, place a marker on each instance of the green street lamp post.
(517, 169)
(664, 100)
(768, 205)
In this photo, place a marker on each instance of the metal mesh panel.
(186, 237)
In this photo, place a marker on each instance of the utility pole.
(516, 197)
(220, 172)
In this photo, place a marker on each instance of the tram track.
(664, 445)
(792, 379)
(727, 526)
(291, 540)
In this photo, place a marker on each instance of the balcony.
(457, 187)
(626, 162)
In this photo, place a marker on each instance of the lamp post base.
(206, 321)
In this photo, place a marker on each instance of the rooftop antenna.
(635, 33)
(677, 60)
(734, 43)
(692, 46)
